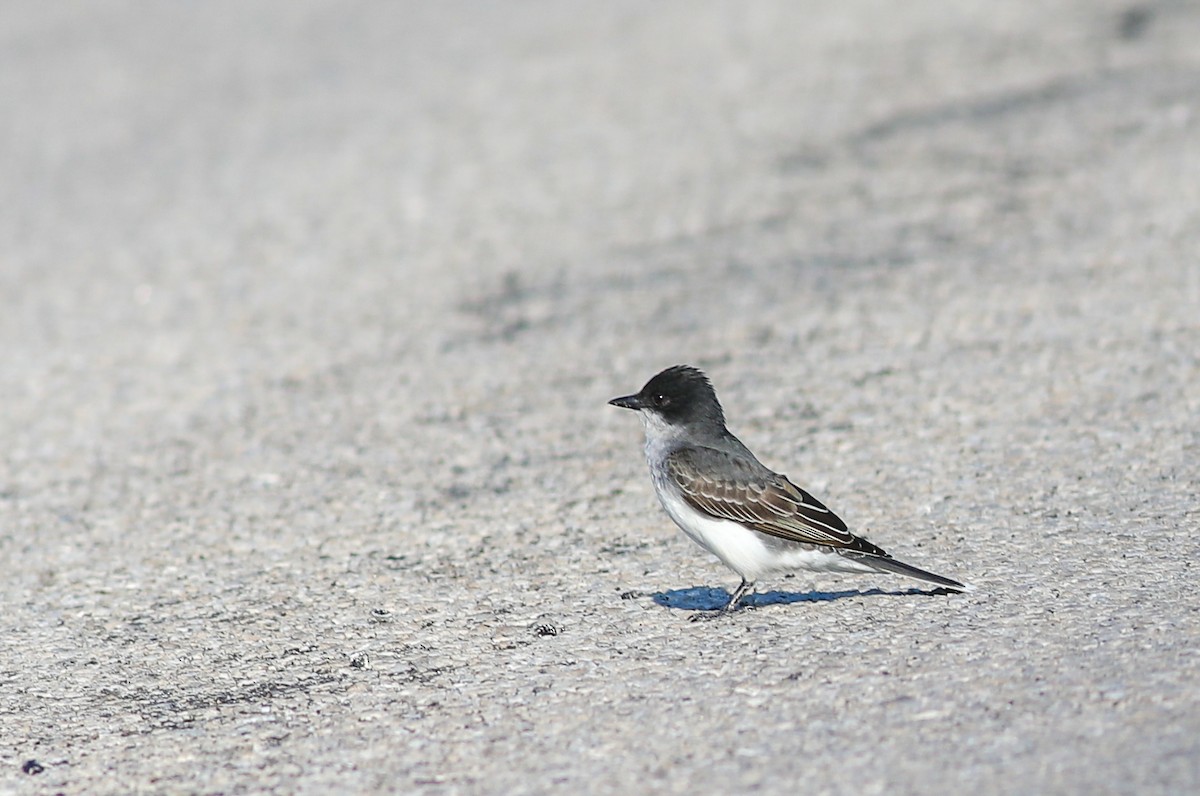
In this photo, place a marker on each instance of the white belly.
(740, 549)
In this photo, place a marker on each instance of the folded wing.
(731, 487)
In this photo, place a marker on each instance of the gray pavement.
(310, 311)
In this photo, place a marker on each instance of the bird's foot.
(734, 604)
(705, 616)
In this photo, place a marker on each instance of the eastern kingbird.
(755, 520)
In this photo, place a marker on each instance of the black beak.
(628, 402)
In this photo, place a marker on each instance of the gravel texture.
(310, 311)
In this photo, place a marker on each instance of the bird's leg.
(730, 606)
(738, 594)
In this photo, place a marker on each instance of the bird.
(755, 520)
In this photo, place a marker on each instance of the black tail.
(888, 564)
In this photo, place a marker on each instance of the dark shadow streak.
(978, 109)
(706, 598)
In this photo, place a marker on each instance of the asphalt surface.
(310, 311)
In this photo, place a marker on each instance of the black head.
(680, 395)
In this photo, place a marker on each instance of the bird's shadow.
(707, 598)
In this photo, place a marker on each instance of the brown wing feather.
(758, 498)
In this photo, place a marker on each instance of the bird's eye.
(661, 400)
